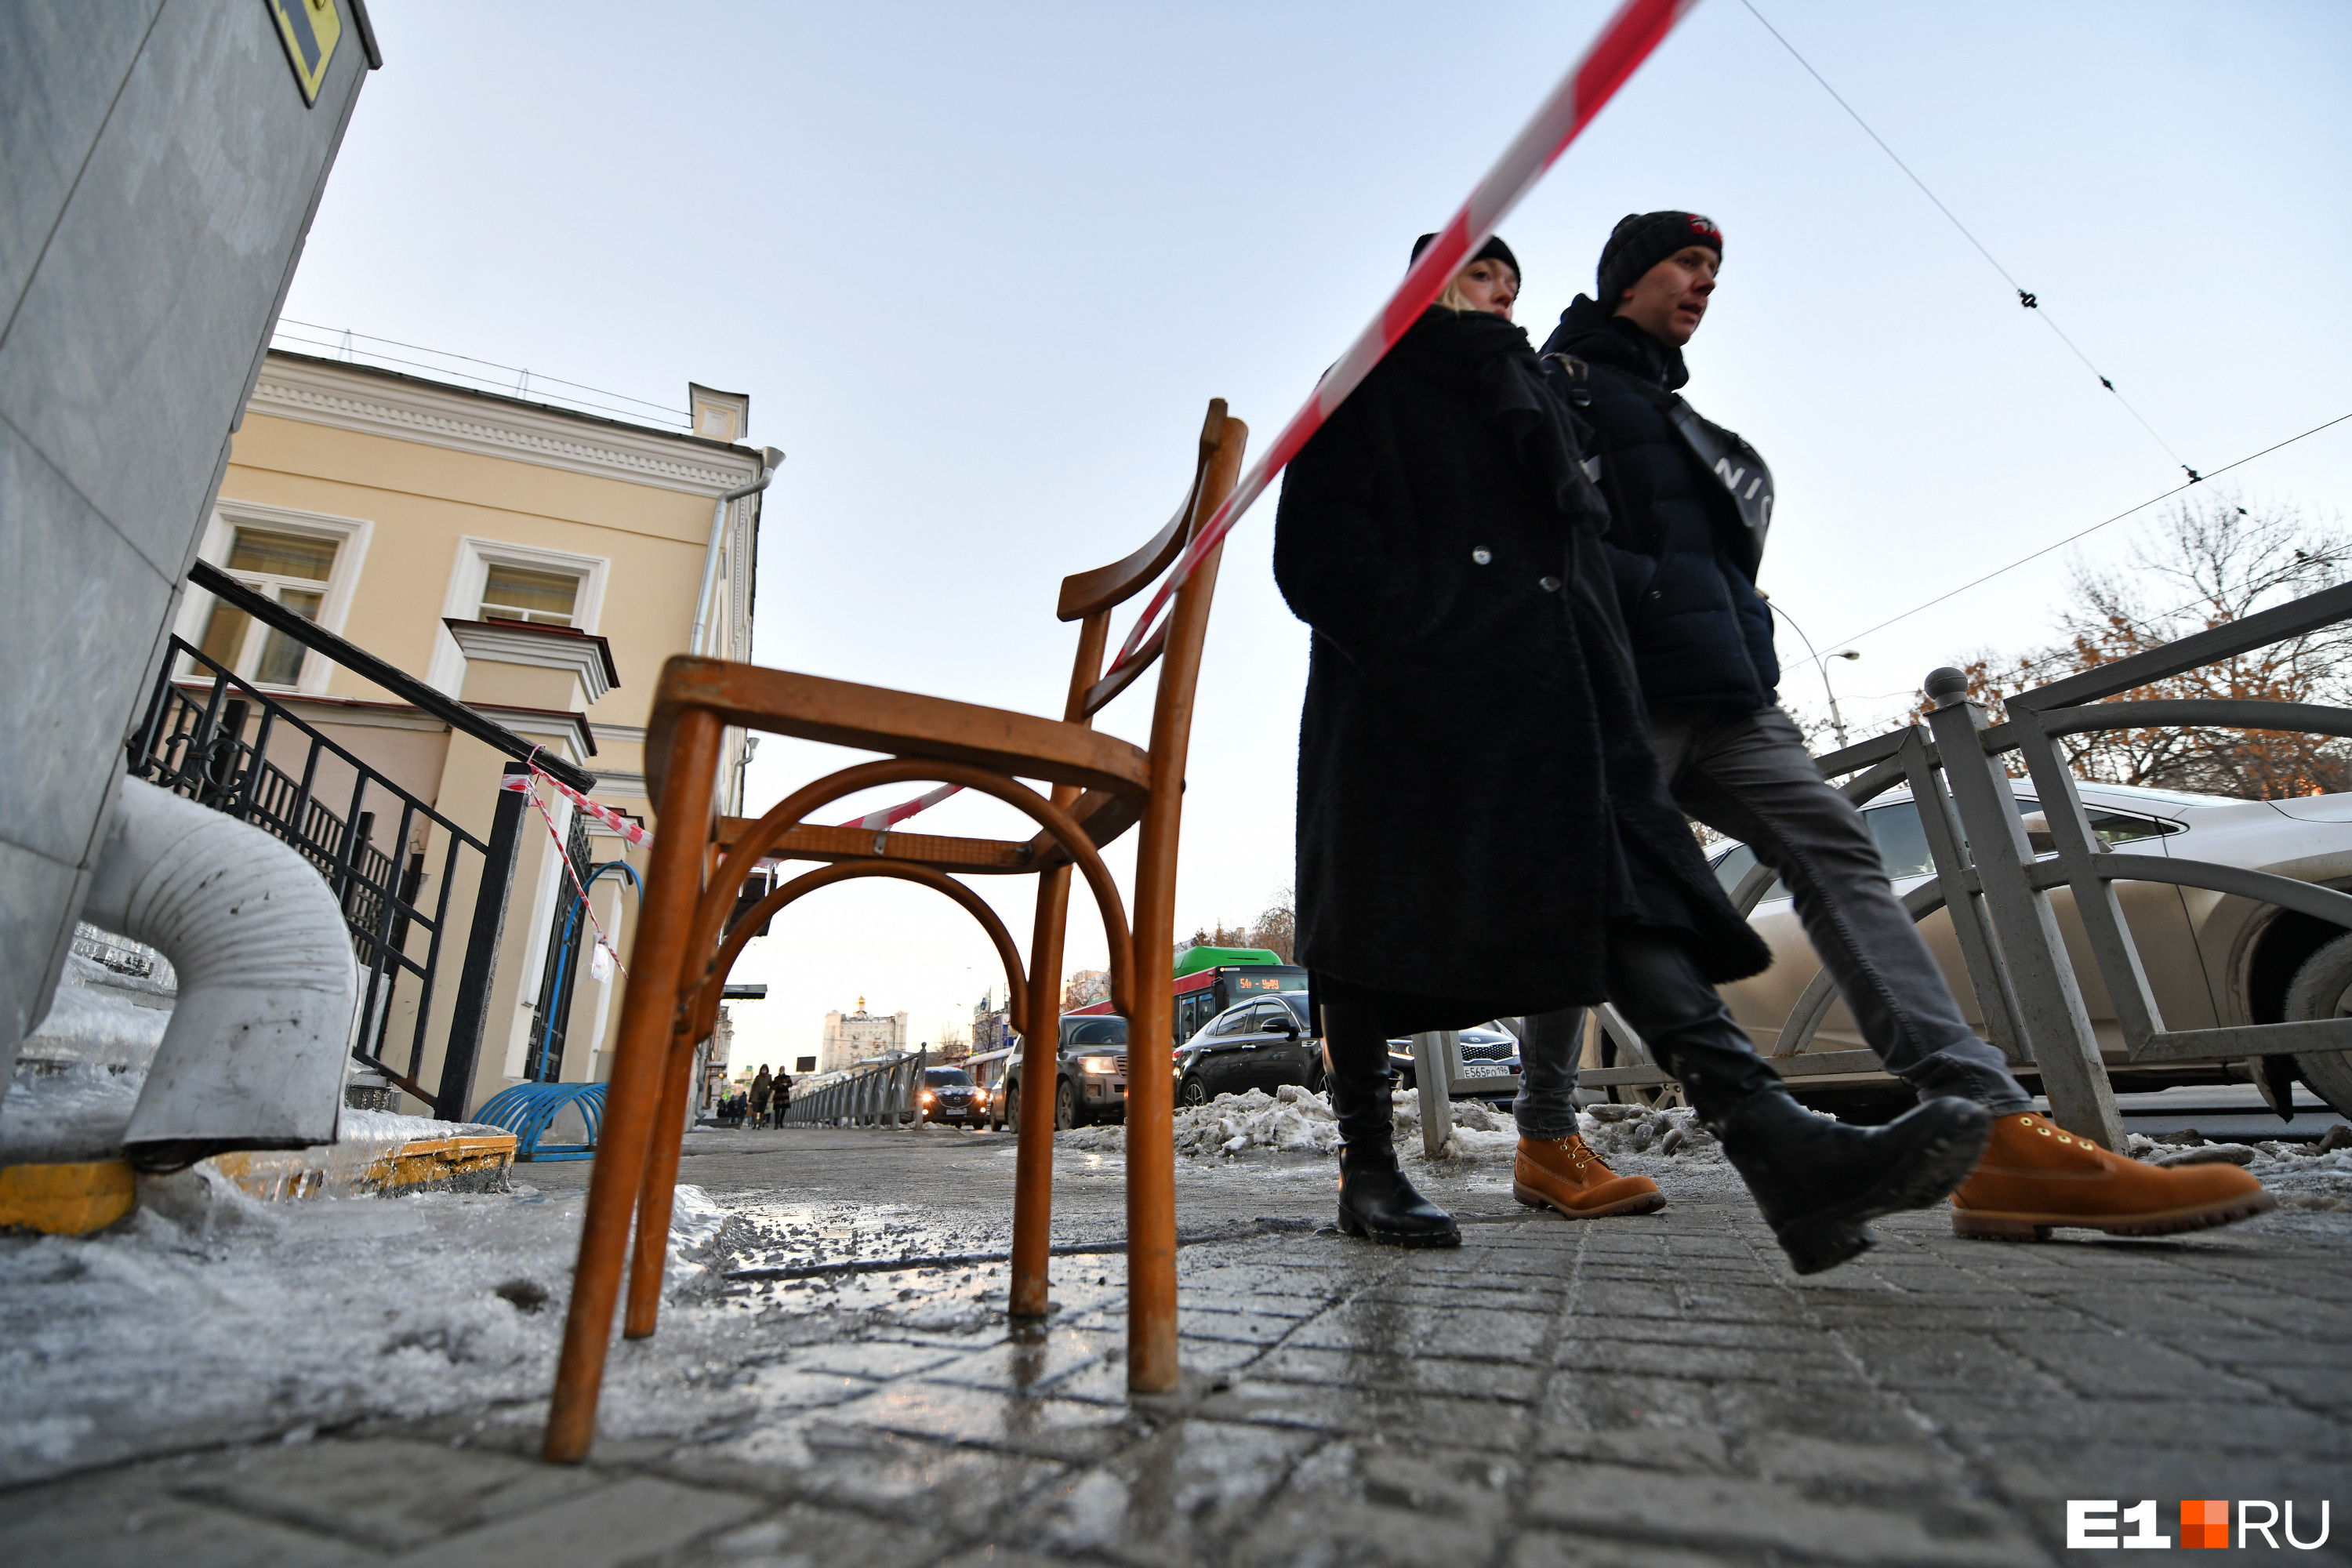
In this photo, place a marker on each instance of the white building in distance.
(860, 1037)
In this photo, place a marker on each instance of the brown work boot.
(1564, 1174)
(2032, 1176)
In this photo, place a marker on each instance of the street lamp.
(1837, 719)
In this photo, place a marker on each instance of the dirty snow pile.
(1289, 1121)
(1478, 1135)
(2316, 1177)
(1616, 1130)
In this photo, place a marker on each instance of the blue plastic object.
(527, 1109)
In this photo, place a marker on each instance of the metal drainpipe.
(769, 458)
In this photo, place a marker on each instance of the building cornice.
(406, 408)
(585, 654)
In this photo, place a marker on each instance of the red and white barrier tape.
(881, 821)
(606, 957)
(1636, 29)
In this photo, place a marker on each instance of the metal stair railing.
(220, 743)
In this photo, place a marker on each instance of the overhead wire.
(2025, 296)
(667, 412)
(2083, 533)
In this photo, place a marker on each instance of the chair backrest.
(1090, 597)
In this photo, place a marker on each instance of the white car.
(2212, 959)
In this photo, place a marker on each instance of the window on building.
(294, 569)
(522, 593)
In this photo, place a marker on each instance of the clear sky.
(980, 266)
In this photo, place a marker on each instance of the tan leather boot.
(2032, 1175)
(1564, 1174)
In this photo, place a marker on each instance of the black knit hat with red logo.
(1642, 240)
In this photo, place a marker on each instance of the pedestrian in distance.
(1479, 806)
(1682, 549)
(762, 1088)
(783, 1095)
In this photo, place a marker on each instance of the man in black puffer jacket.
(1689, 504)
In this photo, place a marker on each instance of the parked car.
(1490, 1061)
(2211, 958)
(1263, 1044)
(1090, 1080)
(949, 1095)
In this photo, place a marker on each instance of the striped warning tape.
(1631, 34)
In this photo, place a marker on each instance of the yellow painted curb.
(66, 1200)
(475, 1162)
(439, 1160)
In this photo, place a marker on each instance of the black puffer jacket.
(1701, 635)
(1477, 797)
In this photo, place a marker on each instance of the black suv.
(1091, 1082)
(947, 1095)
(1263, 1043)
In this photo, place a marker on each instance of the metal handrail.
(392, 678)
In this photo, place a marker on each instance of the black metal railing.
(218, 739)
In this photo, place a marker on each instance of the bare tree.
(1277, 927)
(1084, 988)
(2209, 562)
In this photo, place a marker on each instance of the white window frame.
(351, 535)
(469, 576)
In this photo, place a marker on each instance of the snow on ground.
(208, 1316)
(1237, 1127)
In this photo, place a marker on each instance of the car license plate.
(1485, 1069)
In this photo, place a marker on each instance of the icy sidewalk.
(241, 1319)
(1650, 1391)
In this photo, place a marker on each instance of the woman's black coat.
(1477, 797)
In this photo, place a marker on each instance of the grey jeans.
(1748, 774)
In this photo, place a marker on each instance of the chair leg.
(1151, 1351)
(657, 1196)
(646, 1018)
(1032, 1168)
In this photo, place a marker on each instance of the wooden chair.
(1101, 786)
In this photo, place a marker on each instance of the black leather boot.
(1820, 1181)
(1378, 1204)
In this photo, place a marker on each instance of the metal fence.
(220, 741)
(1998, 888)
(881, 1093)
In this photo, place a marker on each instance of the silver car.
(2212, 959)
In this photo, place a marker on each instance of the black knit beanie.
(1492, 250)
(1642, 240)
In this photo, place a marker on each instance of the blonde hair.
(1454, 298)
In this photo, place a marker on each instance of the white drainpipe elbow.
(255, 1054)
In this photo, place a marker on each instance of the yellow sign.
(309, 29)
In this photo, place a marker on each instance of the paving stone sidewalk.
(1648, 1393)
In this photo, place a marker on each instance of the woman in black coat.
(1482, 827)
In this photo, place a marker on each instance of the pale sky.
(980, 267)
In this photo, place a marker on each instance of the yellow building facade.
(537, 563)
